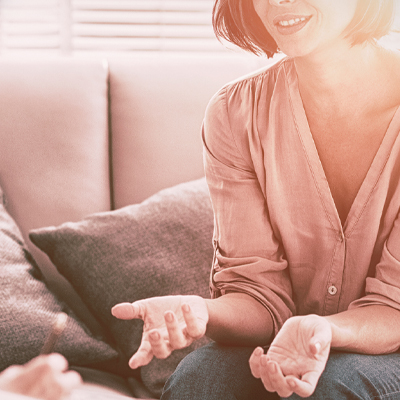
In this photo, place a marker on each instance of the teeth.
(292, 22)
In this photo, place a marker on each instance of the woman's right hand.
(170, 323)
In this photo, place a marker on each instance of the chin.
(295, 47)
(294, 52)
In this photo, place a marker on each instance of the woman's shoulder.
(241, 94)
(231, 111)
(269, 72)
(265, 77)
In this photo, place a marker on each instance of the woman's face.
(301, 27)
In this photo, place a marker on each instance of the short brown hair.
(238, 23)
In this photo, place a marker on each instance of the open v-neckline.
(370, 180)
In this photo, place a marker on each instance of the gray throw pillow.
(162, 246)
(28, 309)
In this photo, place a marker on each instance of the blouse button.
(332, 290)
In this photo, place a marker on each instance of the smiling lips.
(288, 25)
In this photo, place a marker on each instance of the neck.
(337, 79)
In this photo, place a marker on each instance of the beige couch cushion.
(53, 142)
(157, 107)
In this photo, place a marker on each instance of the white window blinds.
(107, 25)
(34, 25)
(183, 25)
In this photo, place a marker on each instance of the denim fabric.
(216, 372)
(359, 377)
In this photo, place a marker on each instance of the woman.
(303, 165)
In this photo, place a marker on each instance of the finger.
(272, 377)
(143, 355)
(254, 362)
(315, 346)
(46, 364)
(306, 386)
(127, 311)
(53, 386)
(194, 328)
(58, 386)
(265, 374)
(321, 338)
(57, 362)
(11, 372)
(319, 348)
(159, 346)
(303, 389)
(44, 377)
(177, 339)
(70, 380)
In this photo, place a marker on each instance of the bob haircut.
(237, 22)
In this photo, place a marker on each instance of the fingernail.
(272, 367)
(75, 378)
(56, 360)
(258, 351)
(169, 317)
(186, 307)
(318, 346)
(155, 335)
(292, 384)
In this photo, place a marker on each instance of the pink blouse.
(278, 236)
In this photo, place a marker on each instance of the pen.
(56, 331)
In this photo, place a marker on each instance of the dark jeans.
(216, 372)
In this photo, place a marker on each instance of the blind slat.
(132, 17)
(31, 29)
(32, 41)
(129, 5)
(148, 44)
(102, 30)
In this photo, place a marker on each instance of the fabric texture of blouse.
(278, 236)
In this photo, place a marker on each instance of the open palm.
(296, 357)
(170, 323)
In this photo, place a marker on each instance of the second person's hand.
(170, 323)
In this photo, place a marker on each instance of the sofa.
(89, 136)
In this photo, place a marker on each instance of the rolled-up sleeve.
(384, 287)
(248, 257)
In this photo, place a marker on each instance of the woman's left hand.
(296, 358)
